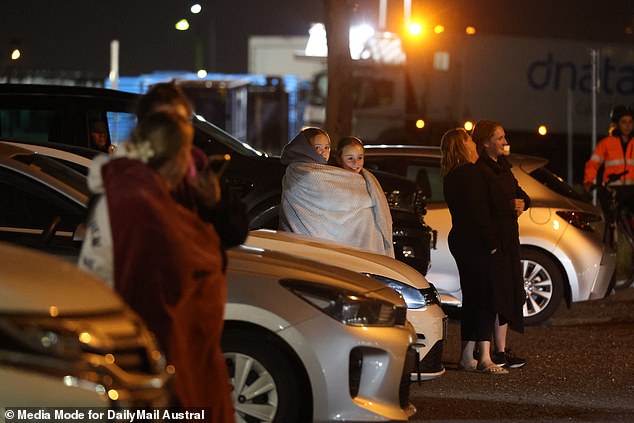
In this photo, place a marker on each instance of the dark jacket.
(473, 236)
(509, 295)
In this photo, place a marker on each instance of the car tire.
(544, 286)
(266, 386)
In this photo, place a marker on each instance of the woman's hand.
(519, 205)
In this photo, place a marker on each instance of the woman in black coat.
(508, 202)
(474, 244)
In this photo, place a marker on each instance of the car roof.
(525, 162)
(65, 90)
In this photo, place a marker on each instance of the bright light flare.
(468, 125)
(542, 130)
(201, 73)
(420, 123)
(196, 8)
(470, 30)
(182, 25)
(439, 29)
(415, 28)
(15, 54)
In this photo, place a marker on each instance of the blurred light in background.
(196, 8)
(542, 130)
(182, 25)
(201, 73)
(439, 29)
(468, 125)
(470, 30)
(420, 124)
(415, 28)
(15, 54)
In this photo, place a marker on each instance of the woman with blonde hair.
(162, 258)
(474, 244)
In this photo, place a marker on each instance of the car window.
(423, 171)
(57, 170)
(213, 140)
(30, 124)
(556, 183)
(29, 209)
(120, 125)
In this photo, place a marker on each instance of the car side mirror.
(80, 233)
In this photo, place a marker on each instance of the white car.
(67, 340)
(423, 302)
(563, 254)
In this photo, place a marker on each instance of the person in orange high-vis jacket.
(614, 152)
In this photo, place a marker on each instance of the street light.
(182, 25)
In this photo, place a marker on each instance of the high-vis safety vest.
(610, 153)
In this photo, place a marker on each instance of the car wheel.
(265, 386)
(544, 286)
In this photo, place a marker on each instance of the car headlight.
(43, 336)
(349, 308)
(415, 298)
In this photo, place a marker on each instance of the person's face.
(472, 149)
(321, 144)
(98, 135)
(625, 125)
(494, 148)
(351, 158)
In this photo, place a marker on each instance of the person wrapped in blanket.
(164, 260)
(331, 203)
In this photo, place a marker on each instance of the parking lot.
(579, 368)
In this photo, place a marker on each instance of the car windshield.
(53, 168)
(214, 133)
(556, 183)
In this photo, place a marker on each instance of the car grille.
(400, 315)
(432, 362)
(355, 365)
(403, 391)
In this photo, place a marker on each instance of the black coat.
(509, 295)
(473, 235)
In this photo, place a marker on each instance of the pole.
(382, 15)
(407, 11)
(114, 64)
(569, 108)
(594, 54)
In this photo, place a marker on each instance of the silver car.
(304, 341)
(563, 254)
(67, 340)
(423, 302)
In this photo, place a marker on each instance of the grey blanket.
(327, 202)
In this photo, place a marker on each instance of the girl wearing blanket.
(330, 203)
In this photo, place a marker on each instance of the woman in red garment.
(168, 263)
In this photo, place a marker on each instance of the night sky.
(75, 34)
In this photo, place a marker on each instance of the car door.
(35, 215)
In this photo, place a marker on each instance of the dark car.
(63, 115)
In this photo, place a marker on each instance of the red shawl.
(168, 268)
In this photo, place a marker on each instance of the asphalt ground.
(580, 368)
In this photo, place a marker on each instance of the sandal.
(493, 370)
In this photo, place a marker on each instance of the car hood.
(36, 283)
(275, 265)
(336, 254)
